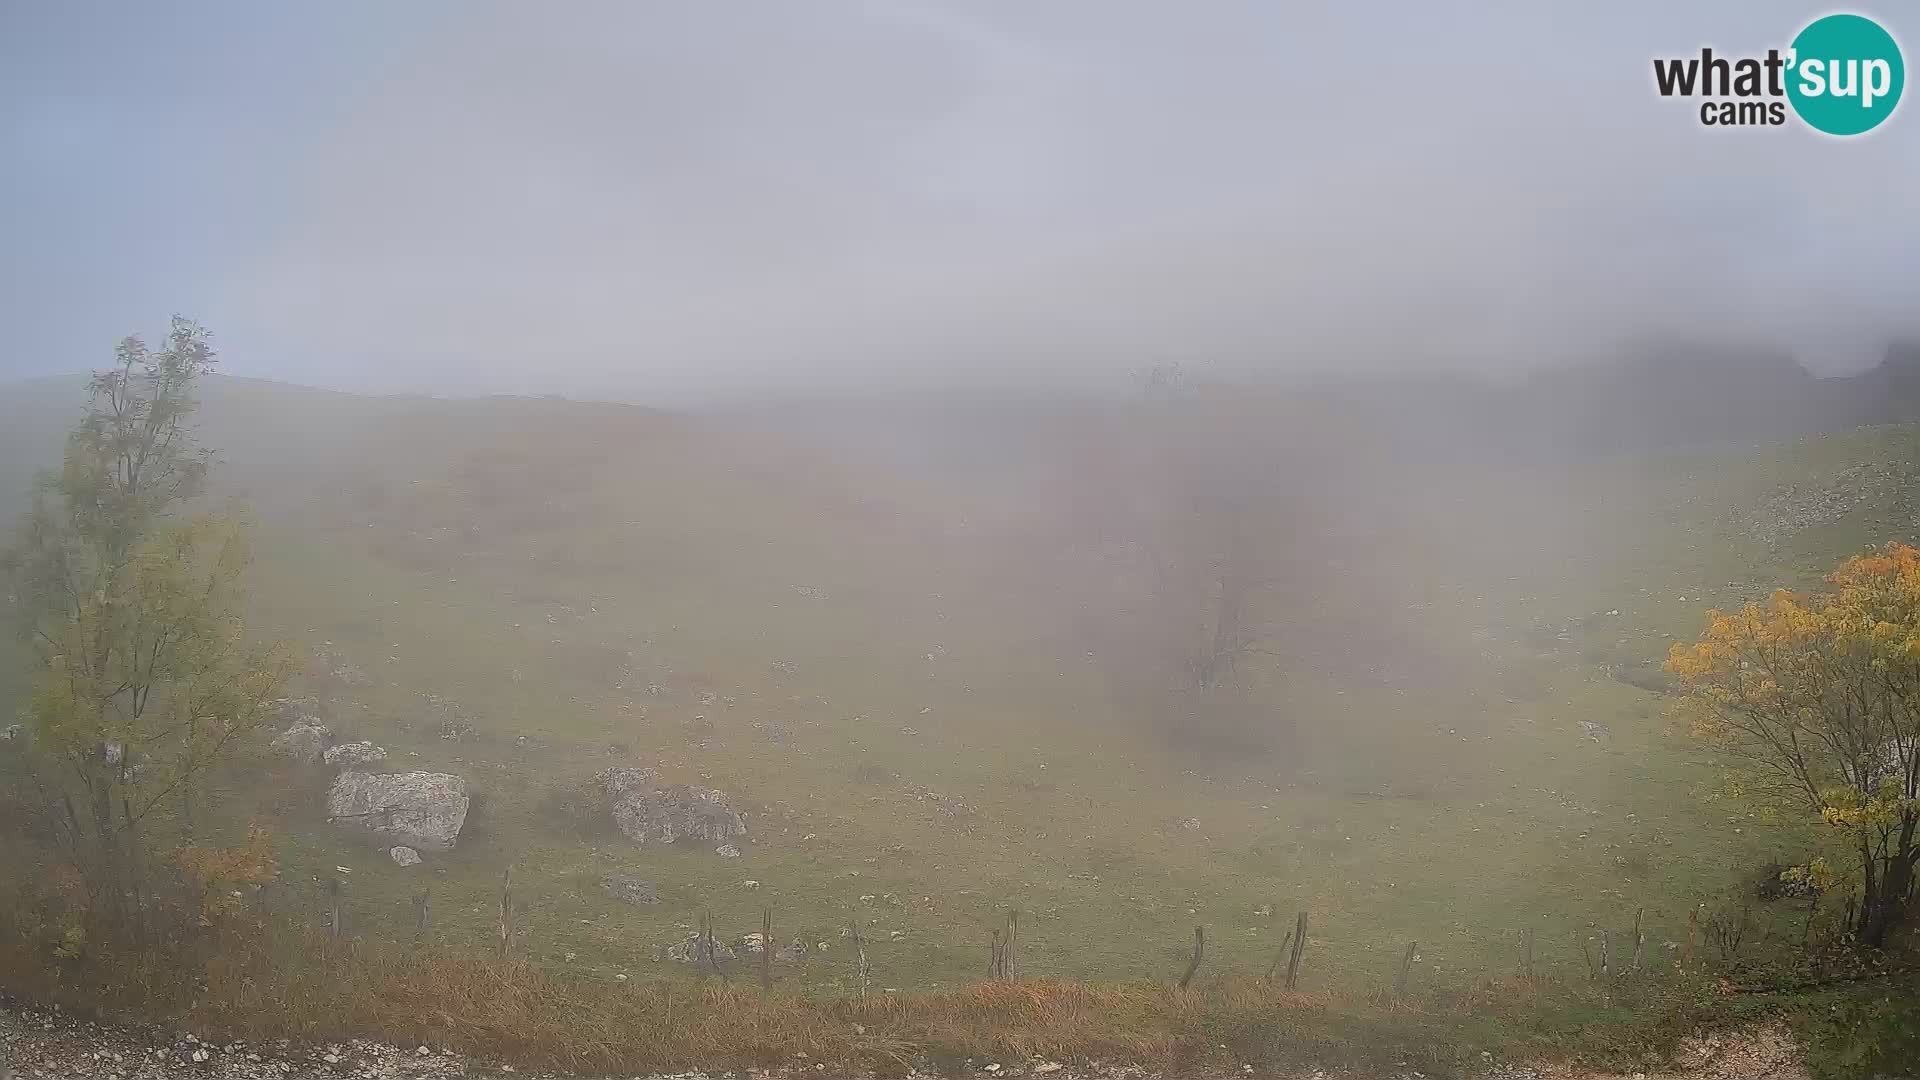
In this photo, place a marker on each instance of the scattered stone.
(404, 855)
(630, 889)
(647, 812)
(1792, 508)
(342, 669)
(353, 755)
(304, 742)
(690, 951)
(423, 810)
(948, 805)
(727, 851)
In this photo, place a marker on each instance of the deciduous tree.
(145, 677)
(1819, 696)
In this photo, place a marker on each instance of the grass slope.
(919, 749)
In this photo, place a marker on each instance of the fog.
(855, 499)
(689, 203)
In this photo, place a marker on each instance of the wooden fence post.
(1013, 946)
(860, 954)
(766, 949)
(422, 914)
(708, 947)
(506, 909)
(1199, 953)
(1286, 948)
(1406, 967)
(1693, 930)
(1639, 938)
(333, 909)
(1299, 950)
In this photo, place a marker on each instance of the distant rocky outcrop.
(1794, 507)
(648, 812)
(423, 810)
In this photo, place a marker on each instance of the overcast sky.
(660, 201)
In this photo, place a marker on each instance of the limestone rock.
(423, 810)
(647, 812)
(304, 742)
(404, 855)
(354, 755)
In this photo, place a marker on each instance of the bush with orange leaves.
(211, 870)
(1819, 695)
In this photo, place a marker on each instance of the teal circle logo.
(1845, 74)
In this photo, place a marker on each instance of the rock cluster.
(691, 951)
(648, 812)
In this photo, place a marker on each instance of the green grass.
(827, 642)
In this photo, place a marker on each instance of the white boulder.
(423, 810)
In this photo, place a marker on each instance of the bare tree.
(1182, 514)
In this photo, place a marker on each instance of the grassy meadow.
(525, 592)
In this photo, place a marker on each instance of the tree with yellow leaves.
(145, 678)
(1820, 695)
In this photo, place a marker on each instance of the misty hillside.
(948, 662)
(930, 662)
(963, 540)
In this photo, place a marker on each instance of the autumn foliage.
(1819, 695)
